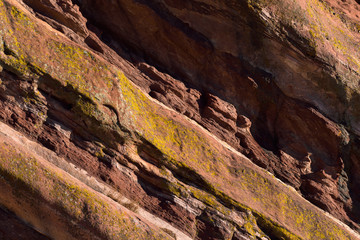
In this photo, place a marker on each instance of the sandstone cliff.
(170, 119)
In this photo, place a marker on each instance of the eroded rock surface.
(167, 117)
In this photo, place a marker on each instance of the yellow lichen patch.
(323, 19)
(326, 27)
(249, 228)
(274, 229)
(27, 174)
(205, 197)
(21, 18)
(170, 137)
(290, 211)
(85, 107)
(99, 153)
(72, 61)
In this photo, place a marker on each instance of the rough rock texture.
(169, 119)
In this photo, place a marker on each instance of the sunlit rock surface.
(179, 119)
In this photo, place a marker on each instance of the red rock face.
(242, 103)
(254, 82)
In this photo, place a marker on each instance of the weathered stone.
(272, 79)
